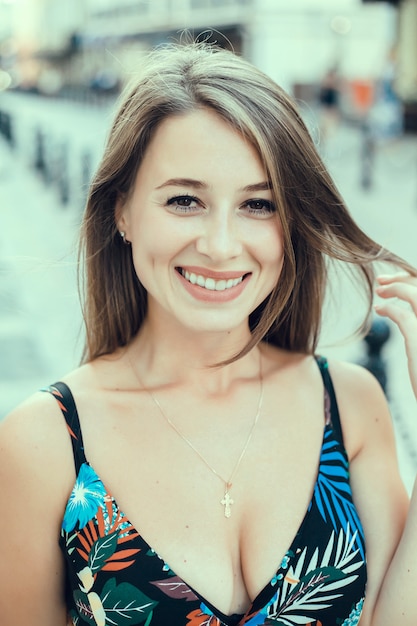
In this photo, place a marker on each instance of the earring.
(123, 236)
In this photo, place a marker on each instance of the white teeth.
(210, 283)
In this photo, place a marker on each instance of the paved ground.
(39, 314)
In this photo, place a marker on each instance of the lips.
(210, 283)
(213, 287)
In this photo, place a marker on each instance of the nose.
(220, 238)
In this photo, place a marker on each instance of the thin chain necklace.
(227, 500)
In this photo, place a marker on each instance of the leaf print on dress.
(99, 542)
(73, 618)
(355, 614)
(117, 605)
(86, 497)
(124, 604)
(175, 588)
(203, 617)
(90, 608)
(102, 550)
(311, 586)
(332, 492)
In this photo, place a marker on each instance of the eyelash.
(174, 201)
(267, 207)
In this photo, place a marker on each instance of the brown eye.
(182, 203)
(260, 206)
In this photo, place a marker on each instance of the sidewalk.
(38, 314)
(40, 320)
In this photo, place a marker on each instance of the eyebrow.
(198, 184)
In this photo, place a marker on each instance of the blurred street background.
(350, 64)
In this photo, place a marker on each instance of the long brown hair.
(316, 224)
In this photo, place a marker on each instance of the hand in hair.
(400, 289)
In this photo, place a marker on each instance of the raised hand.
(400, 292)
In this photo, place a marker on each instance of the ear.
(121, 216)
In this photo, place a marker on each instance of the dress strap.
(66, 403)
(330, 397)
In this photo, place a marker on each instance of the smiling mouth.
(210, 283)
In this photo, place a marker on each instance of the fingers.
(385, 279)
(403, 287)
(405, 319)
(399, 294)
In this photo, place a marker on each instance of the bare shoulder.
(354, 385)
(363, 407)
(29, 422)
(36, 477)
(35, 436)
(36, 428)
(286, 361)
(34, 440)
(354, 377)
(357, 389)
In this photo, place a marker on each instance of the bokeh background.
(350, 64)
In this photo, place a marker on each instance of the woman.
(329, 101)
(198, 468)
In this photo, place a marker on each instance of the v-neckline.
(236, 618)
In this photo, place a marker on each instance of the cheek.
(272, 258)
(271, 248)
(155, 242)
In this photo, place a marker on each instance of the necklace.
(227, 500)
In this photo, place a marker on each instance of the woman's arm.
(378, 492)
(36, 470)
(397, 602)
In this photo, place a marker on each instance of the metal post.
(367, 155)
(375, 340)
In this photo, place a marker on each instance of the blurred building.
(405, 58)
(36, 41)
(294, 42)
(65, 45)
(406, 76)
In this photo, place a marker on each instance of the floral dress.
(115, 578)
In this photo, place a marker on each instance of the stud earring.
(123, 236)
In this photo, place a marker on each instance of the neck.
(164, 359)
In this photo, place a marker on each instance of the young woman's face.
(206, 241)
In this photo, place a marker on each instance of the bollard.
(375, 340)
(6, 128)
(367, 154)
(10, 132)
(63, 178)
(86, 168)
(40, 159)
(3, 124)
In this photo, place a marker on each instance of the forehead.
(198, 141)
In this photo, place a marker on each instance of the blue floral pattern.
(87, 495)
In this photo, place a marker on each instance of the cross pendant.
(227, 501)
